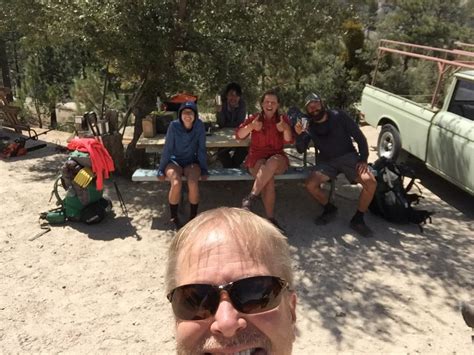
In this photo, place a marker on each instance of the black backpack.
(96, 211)
(392, 200)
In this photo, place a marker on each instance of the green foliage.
(49, 72)
(88, 91)
(353, 40)
(199, 46)
(434, 23)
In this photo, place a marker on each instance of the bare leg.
(369, 184)
(192, 173)
(264, 171)
(174, 174)
(313, 185)
(268, 197)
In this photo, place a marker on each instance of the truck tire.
(389, 143)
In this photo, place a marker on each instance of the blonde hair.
(252, 234)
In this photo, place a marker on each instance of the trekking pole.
(120, 198)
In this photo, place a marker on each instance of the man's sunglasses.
(250, 295)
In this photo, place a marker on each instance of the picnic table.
(219, 138)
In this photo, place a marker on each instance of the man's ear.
(293, 300)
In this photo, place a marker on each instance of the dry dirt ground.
(99, 289)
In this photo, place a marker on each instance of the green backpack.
(82, 202)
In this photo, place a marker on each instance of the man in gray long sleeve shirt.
(332, 133)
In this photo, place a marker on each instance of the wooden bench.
(229, 174)
(224, 174)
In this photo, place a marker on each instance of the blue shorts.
(345, 164)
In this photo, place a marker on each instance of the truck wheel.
(389, 144)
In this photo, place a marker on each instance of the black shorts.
(345, 164)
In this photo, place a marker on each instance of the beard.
(317, 116)
(251, 337)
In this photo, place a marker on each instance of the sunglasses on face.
(250, 295)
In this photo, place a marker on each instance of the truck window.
(462, 102)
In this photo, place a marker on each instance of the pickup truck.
(443, 138)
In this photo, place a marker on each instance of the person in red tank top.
(269, 132)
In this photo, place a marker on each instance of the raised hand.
(362, 168)
(299, 127)
(256, 125)
(282, 126)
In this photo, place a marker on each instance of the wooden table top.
(219, 138)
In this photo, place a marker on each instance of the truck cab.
(450, 143)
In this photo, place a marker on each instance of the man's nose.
(227, 320)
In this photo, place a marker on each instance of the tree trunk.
(113, 144)
(18, 80)
(54, 119)
(145, 104)
(38, 113)
(5, 68)
(147, 100)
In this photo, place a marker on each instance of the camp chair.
(9, 114)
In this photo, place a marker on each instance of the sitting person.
(230, 284)
(269, 132)
(231, 113)
(184, 153)
(332, 132)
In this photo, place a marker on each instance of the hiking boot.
(362, 229)
(247, 201)
(177, 223)
(275, 223)
(328, 214)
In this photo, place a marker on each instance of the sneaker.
(328, 214)
(362, 229)
(247, 201)
(275, 223)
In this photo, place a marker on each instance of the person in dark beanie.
(231, 113)
(184, 154)
(333, 133)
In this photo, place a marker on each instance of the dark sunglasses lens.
(256, 294)
(195, 302)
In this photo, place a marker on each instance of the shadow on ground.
(339, 282)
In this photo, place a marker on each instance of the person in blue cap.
(184, 154)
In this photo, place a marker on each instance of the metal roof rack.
(445, 58)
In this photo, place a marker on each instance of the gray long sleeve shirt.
(333, 138)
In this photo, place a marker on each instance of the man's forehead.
(206, 241)
(219, 258)
(314, 105)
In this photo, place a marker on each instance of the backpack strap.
(410, 184)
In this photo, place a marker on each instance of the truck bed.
(412, 119)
